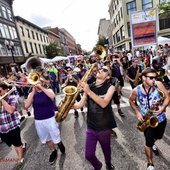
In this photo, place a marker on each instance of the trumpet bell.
(100, 51)
(33, 78)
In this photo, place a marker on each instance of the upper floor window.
(22, 31)
(33, 36)
(37, 36)
(131, 6)
(2, 31)
(9, 14)
(28, 33)
(146, 4)
(4, 12)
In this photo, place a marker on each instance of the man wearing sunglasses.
(100, 119)
(148, 94)
(10, 123)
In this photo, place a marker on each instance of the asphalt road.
(127, 148)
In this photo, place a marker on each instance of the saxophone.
(71, 93)
(151, 120)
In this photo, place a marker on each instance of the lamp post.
(10, 47)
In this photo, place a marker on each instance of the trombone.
(9, 92)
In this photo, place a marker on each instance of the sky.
(79, 17)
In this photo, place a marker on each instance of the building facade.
(11, 54)
(119, 11)
(33, 38)
(71, 42)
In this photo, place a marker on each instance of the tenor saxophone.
(151, 120)
(71, 93)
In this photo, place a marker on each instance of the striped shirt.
(9, 121)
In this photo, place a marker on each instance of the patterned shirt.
(154, 96)
(9, 121)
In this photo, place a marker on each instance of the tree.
(164, 7)
(53, 50)
(102, 41)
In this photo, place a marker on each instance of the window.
(11, 32)
(22, 31)
(122, 32)
(128, 27)
(40, 49)
(6, 31)
(33, 36)
(44, 38)
(9, 14)
(41, 38)
(36, 48)
(2, 32)
(131, 6)
(118, 36)
(25, 45)
(4, 12)
(37, 36)
(28, 33)
(32, 50)
(3, 50)
(121, 12)
(15, 33)
(146, 4)
(164, 23)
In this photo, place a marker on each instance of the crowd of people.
(146, 71)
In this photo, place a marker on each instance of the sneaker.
(150, 167)
(109, 166)
(114, 133)
(19, 165)
(22, 118)
(24, 147)
(61, 147)
(76, 114)
(28, 113)
(53, 157)
(121, 113)
(155, 150)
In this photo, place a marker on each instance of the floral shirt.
(154, 96)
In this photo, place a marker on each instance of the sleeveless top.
(43, 106)
(154, 96)
(99, 118)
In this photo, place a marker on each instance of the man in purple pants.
(100, 119)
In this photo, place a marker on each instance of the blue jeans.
(92, 137)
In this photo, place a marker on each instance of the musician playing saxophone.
(100, 119)
(147, 94)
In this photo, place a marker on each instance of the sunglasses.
(105, 70)
(151, 77)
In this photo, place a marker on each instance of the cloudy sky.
(79, 17)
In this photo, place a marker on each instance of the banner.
(143, 26)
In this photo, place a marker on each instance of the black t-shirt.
(99, 118)
(131, 72)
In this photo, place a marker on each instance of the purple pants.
(92, 137)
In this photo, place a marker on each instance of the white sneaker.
(155, 150)
(150, 167)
